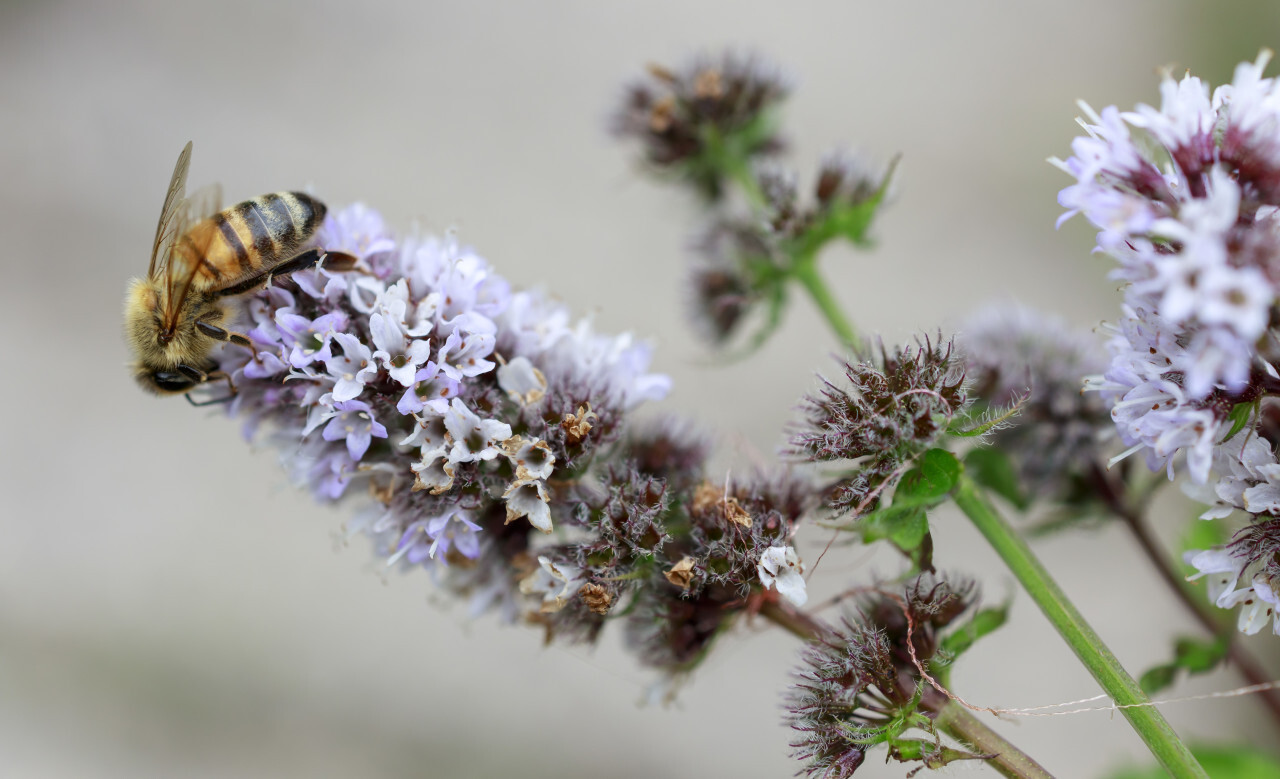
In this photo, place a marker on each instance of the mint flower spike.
(894, 406)
(1017, 357)
(1194, 230)
(1192, 380)
(860, 687)
(387, 376)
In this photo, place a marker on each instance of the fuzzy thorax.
(155, 348)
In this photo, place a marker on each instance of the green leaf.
(934, 476)
(1192, 655)
(1239, 417)
(979, 625)
(1153, 680)
(843, 220)
(992, 469)
(906, 528)
(1220, 762)
(1197, 655)
(990, 419)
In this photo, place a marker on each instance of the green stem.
(956, 721)
(806, 272)
(1112, 491)
(1106, 669)
(740, 171)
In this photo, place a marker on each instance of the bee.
(202, 256)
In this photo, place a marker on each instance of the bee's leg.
(193, 373)
(335, 261)
(301, 262)
(219, 334)
(339, 262)
(213, 376)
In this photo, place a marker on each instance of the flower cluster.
(493, 433)
(1246, 572)
(1018, 358)
(897, 406)
(1196, 235)
(423, 375)
(861, 686)
(1195, 228)
(700, 118)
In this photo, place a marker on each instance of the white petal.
(522, 381)
(780, 568)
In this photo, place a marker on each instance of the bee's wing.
(167, 229)
(204, 203)
(189, 244)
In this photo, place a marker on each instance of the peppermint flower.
(427, 538)
(898, 405)
(352, 422)
(555, 582)
(675, 114)
(430, 388)
(1252, 557)
(396, 353)
(309, 340)
(352, 369)
(780, 569)
(1194, 237)
(853, 686)
(473, 438)
(402, 348)
(529, 499)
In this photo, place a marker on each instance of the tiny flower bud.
(576, 426)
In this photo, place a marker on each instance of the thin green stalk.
(1112, 491)
(956, 721)
(805, 271)
(740, 171)
(1106, 669)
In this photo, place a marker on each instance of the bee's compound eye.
(172, 381)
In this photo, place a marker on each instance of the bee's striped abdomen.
(255, 236)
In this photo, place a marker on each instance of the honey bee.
(201, 256)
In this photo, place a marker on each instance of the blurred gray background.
(169, 605)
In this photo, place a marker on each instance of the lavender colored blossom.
(387, 376)
(1193, 234)
(493, 434)
(1245, 574)
(1192, 378)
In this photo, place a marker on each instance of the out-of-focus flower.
(704, 118)
(1015, 356)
